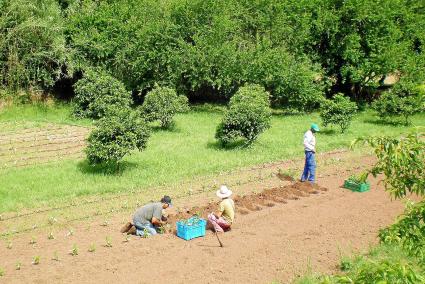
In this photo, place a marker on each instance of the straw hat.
(223, 192)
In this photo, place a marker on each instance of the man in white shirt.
(310, 150)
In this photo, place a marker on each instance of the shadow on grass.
(105, 169)
(384, 122)
(329, 131)
(236, 145)
(156, 127)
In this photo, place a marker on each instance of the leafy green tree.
(162, 103)
(408, 231)
(206, 49)
(247, 117)
(290, 80)
(116, 135)
(131, 39)
(339, 111)
(402, 162)
(359, 42)
(98, 91)
(33, 51)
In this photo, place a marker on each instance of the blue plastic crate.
(191, 228)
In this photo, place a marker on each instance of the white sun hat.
(223, 192)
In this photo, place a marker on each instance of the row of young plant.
(296, 50)
(75, 250)
(400, 257)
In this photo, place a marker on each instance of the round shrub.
(247, 117)
(338, 111)
(98, 91)
(402, 101)
(162, 103)
(115, 136)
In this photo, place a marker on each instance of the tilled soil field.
(255, 201)
(281, 228)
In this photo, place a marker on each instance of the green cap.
(315, 127)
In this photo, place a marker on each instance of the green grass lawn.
(25, 116)
(187, 151)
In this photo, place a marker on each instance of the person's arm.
(157, 222)
(156, 219)
(220, 211)
(218, 214)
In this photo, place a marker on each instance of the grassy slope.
(187, 151)
(26, 116)
(387, 262)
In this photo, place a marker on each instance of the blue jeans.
(140, 229)
(309, 167)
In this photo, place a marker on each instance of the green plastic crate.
(359, 187)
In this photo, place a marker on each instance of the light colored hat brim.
(219, 194)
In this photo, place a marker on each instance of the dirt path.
(274, 243)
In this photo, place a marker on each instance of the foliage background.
(206, 49)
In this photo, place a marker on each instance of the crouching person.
(222, 219)
(147, 218)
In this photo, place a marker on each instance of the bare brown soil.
(280, 228)
(253, 202)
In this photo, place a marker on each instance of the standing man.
(147, 218)
(310, 150)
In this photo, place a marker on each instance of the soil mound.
(253, 202)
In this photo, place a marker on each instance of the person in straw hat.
(222, 219)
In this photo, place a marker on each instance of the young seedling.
(161, 230)
(9, 245)
(1, 272)
(33, 241)
(145, 233)
(52, 220)
(108, 242)
(18, 266)
(51, 236)
(127, 239)
(74, 250)
(36, 260)
(70, 232)
(104, 224)
(125, 205)
(55, 256)
(92, 248)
